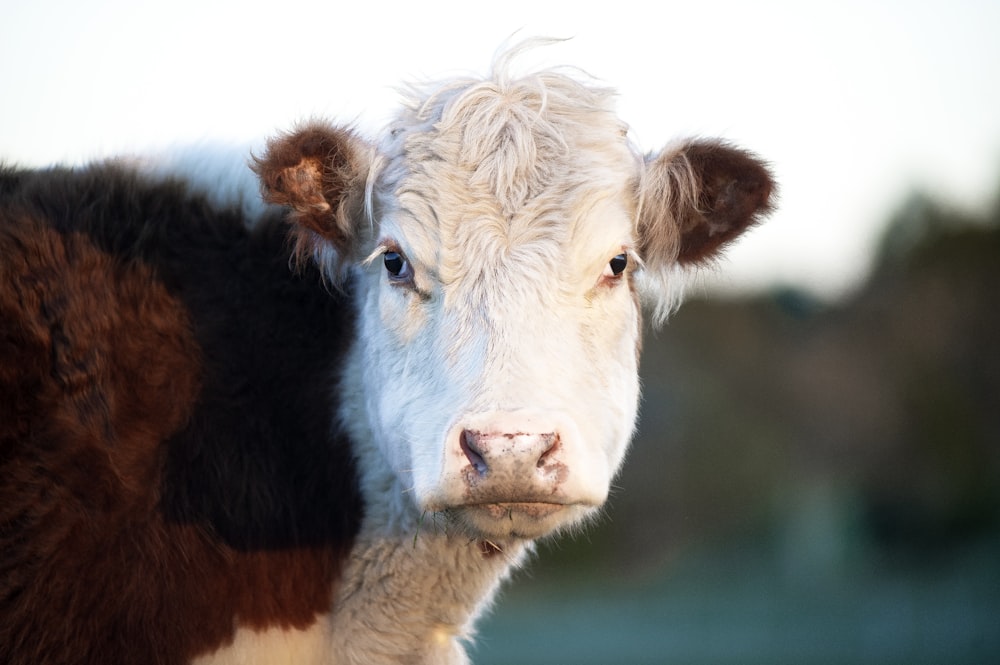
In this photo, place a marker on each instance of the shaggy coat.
(166, 452)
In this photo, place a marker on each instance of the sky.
(854, 104)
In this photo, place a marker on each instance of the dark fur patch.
(697, 197)
(168, 468)
(735, 195)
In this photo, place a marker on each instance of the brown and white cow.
(208, 457)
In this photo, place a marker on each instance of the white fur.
(220, 172)
(415, 583)
(510, 313)
(276, 646)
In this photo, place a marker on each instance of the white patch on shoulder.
(222, 172)
(276, 646)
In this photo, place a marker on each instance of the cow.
(327, 432)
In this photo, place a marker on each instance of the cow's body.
(168, 463)
(207, 457)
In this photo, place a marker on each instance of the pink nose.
(490, 452)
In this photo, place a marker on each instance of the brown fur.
(698, 197)
(318, 171)
(97, 373)
(150, 502)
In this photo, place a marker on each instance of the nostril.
(474, 455)
(551, 443)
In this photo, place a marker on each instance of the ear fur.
(319, 172)
(696, 198)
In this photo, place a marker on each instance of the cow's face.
(509, 234)
(500, 329)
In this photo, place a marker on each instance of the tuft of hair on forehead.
(514, 134)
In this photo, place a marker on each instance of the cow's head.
(504, 235)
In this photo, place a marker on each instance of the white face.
(503, 221)
(500, 341)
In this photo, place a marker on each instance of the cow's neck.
(414, 599)
(413, 586)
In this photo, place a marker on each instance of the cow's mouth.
(507, 509)
(516, 519)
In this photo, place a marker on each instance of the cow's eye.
(394, 262)
(397, 266)
(617, 264)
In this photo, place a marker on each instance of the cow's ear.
(319, 172)
(695, 198)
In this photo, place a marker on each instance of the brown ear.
(318, 171)
(698, 197)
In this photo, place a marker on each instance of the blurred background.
(816, 477)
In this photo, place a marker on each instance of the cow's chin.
(516, 520)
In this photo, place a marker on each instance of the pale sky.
(854, 103)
